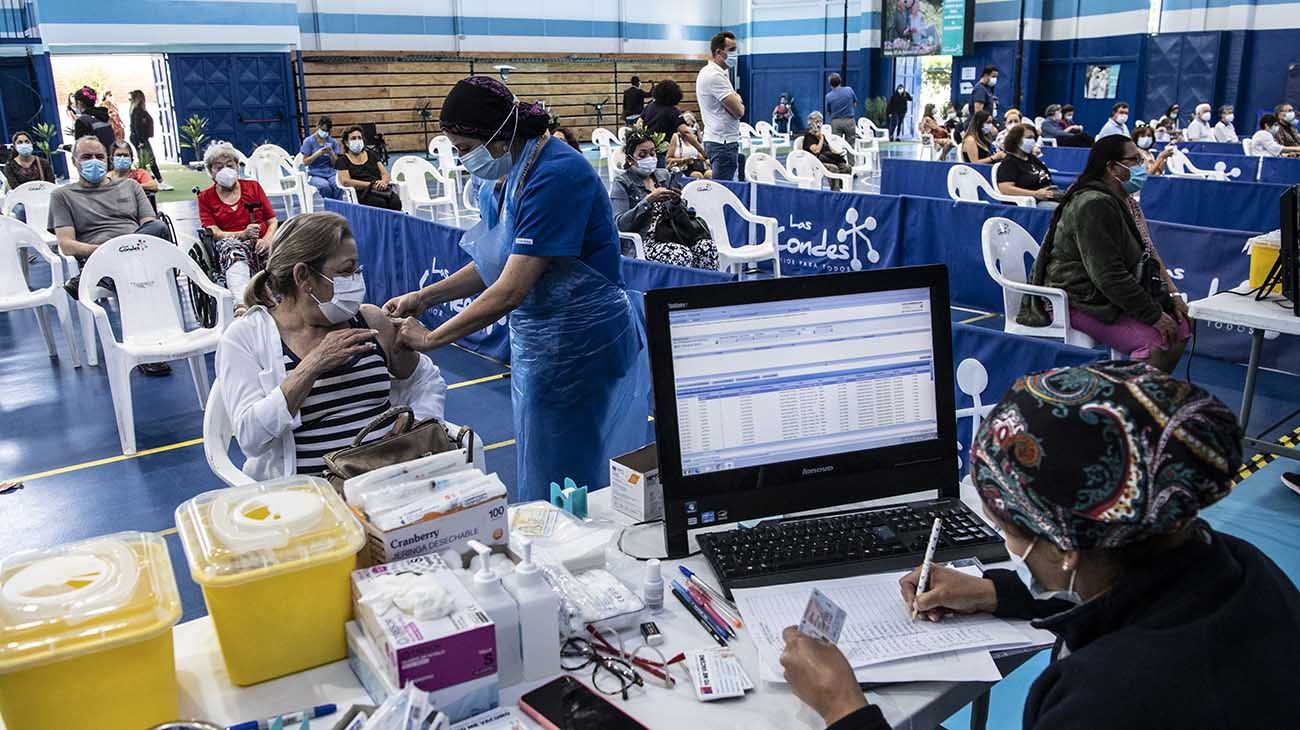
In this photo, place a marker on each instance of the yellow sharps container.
(86, 635)
(274, 561)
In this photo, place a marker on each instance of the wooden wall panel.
(387, 88)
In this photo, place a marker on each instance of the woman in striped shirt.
(309, 365)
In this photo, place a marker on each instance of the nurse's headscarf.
(1105, 455)
(480, 106)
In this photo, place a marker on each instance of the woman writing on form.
(546, 253)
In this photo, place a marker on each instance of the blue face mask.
(480, 162)
(1137, 179)
(92, 171)
(121, 162)
(23, 148)
(323, 133)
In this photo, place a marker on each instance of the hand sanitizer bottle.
(493, 598)
(539, 616)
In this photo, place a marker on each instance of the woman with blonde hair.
(309, 365)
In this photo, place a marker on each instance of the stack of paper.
(880, 639)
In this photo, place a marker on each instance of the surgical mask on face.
(1027, 145)
(322, 133)
(988, 128)
(646, 166)
(1229, 117)
(1289, 116)
(92, 171)
(1121, 119)
(1274, 129)
(1069, 117)
(730, 61)
(349, 293)
(226, 177)
(1137, 179)
(356, 145)
(1205, 117)
(993, 81)
(1145, 142)
(480, 162)
(1057, 116)
(23, 148)
(121, 162)
(1036, 589)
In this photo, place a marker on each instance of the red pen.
(703, 601)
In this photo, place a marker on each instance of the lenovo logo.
(817, 470)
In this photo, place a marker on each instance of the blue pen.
(722, 631)
(317, 711)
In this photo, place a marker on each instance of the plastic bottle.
(652, 588)
(539, 616)
(500, 606)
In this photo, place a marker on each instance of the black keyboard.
(843, 544)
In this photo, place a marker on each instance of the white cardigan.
(250, 368)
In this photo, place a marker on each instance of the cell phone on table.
(567, 704)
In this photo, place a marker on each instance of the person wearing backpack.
(92, 121)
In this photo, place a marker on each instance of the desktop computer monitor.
(786, 395)
(1289, 254)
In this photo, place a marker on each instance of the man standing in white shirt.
(721, 107)
(1224, 131)
(1199, 129)
(1118, 122)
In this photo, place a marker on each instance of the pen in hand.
(923, 584)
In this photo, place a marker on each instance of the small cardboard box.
(435, 654)
(634, 479)
(487, 522)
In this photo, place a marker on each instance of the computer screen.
(764, 383)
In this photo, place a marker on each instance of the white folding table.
(1240, 309)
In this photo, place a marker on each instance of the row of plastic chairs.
(801, 168)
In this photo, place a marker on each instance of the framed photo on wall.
(1101, 81)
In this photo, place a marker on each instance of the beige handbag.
(408, 440)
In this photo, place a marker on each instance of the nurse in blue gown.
(546, 252)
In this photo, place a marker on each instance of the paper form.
(879, 628)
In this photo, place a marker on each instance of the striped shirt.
(341, 403)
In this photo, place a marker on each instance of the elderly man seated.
(1200, 129)
(1058, 124)
(98, 207)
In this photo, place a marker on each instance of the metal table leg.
(1252, 370)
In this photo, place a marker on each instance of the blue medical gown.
(580, 381)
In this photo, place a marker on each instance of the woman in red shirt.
(240, 217)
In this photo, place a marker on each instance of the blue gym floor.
(59, 438)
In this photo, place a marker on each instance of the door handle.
(270, 120)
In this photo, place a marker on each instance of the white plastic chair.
(274, 170)
(34, 197)
(710, 201)
(862, 163)
(272, 148)
(1246, 148)
(927, 143)
(966, 183)
(1005, 245)
(1179, 165)
(760, 167)
(867, 128)
(609, 144)
(16, 294)
(638, 244)
(143, 269)
(804, 165)
(443, 155)
(411, 176)
(769, 138)
(751, 140)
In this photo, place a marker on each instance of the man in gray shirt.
(95, 209)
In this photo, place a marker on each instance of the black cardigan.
(1208, 638)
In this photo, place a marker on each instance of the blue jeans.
(326, 187)
(724, 158)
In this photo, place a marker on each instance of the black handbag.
(679, 225)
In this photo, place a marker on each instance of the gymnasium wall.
(390, 88)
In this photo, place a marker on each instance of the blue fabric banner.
(900, 176)
(1246, 206)
(945, 232)
(825, 232)
(1005, 358)
(1213, 148)
(1066, 159)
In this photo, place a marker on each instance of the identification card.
(717, 675)
(822, 618)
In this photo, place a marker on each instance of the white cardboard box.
(486, 522)
(634, 479)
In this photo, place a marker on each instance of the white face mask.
(646, 166)
(356, 145)
(1027, 145)
(1229, 117)
(1145, 142)
(1039, 591)
(1121, 119)
(1205, 116)
(349, 293)
(1289, 116)
(226, 177)
(993, 81)
(730, 60)
(1057, 116)
(988, 128)
(1069, 117)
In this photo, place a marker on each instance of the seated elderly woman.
(1022, 173)
(815, 142)
(309, 366)
(362, 170)
(1099, 252)
(645, 204)
(1095, 475)
(239, 215)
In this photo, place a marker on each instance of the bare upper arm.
(401, 362)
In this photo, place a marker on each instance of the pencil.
(923, 583)
(698, 617)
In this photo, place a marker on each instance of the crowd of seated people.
(1267, 142)
(1059, 124)
(240, 217)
